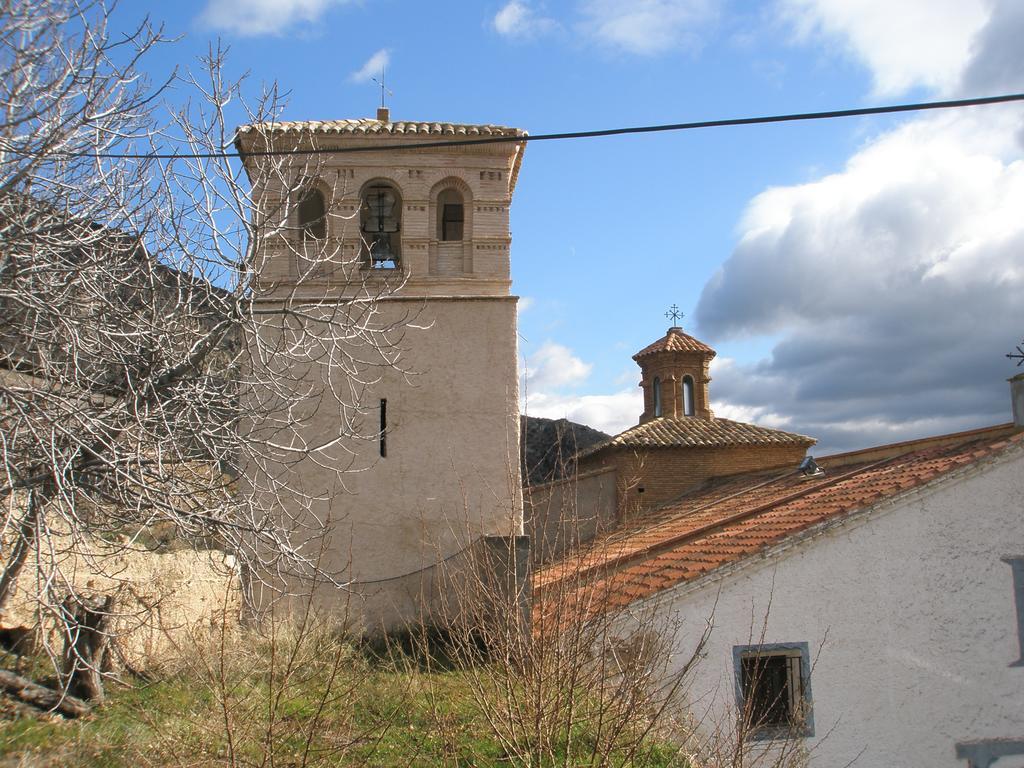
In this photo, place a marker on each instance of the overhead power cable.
(441, 144)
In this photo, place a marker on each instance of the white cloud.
(517, 19)
(550, 375)
(554, 367)
(648, 26)
(906, 44)
(608, 413)
(896, 285)
(995, 65)
(263, 17)
(374, 66)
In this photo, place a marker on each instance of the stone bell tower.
(674, 377)
(423, 231)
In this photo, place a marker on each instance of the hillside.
(547, 446)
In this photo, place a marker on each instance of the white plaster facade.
(910, 616)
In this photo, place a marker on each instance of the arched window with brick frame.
(380, 224)
(312, 214)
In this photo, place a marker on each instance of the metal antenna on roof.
(674, 314)
(383, 90)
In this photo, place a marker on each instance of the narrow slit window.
(1017, 564)
(657, 396)
(383, 427)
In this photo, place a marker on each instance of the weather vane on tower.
(674, 314)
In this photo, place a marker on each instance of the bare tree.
(151, 378)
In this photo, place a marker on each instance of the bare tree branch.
(150, 374)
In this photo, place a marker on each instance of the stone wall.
(565, 514)
(160, 597)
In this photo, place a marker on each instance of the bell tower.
(411, 218)
(674, 377)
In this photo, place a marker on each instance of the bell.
(380, 248)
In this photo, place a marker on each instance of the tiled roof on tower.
(679, 442)
(675, 341)
(369, 126)
(689, 432)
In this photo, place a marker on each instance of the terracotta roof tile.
(368, 127)
(675, 341)
(694, 432)
(734, 518)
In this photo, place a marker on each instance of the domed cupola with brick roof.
(679, 443)
(674, 377)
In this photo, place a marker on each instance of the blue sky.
(862, 279)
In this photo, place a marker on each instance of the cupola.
(674, 377)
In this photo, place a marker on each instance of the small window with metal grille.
(773, 690)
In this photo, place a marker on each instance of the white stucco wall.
(910, 616)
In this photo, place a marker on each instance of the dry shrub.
(589, 676)
(293, 691)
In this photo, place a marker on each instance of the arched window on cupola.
(451, 215)
(312, 215)
(687, 396)
(656, 389)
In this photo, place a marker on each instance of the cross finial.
(674, 314)
(1018, 355)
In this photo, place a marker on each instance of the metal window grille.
(772, 690)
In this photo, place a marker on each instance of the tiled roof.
(367, 126)
(735, 518)
(694, 432)
(675, 341)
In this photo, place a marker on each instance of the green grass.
(331, 706)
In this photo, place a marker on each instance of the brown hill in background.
(547, 447)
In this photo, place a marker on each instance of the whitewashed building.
(868, 610)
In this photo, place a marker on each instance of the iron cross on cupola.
(1018, 355)
(675, 315)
